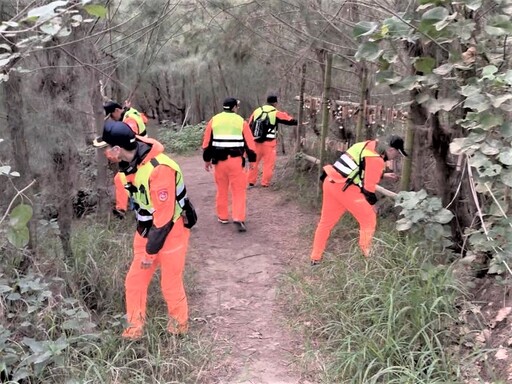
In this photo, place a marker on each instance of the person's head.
(231, 104)
(272, 99)
(395, 148)
(118, 140)
(113, 110)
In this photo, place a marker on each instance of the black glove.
(371, 198)
(323, 176)
(119, 213)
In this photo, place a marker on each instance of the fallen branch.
(378, 188)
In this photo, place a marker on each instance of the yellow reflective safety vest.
(132, 113)
(272, 116)
(349, 164)
(144, 207)
(227, 130)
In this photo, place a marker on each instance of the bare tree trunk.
(223, 79)
(325, 113)
(361, 117)
(300, 132)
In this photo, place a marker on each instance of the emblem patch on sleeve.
(163, 195)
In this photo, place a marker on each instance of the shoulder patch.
(163, 195)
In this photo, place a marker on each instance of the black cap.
(271, 99)
(230, 103)
(116, 133)
(111, 106)
(398, 143)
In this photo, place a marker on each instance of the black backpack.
(260, 126)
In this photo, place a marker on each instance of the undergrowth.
(181, 140)
(61, 322)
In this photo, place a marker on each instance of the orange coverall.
(266, 152)
(336, 202)
(230, 176)
(170, 257)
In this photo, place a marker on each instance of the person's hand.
(119, 213)
(375, 208)
(146, 262)
(393, 176)
(128, 104)
(207, 166)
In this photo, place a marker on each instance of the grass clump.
(182, 140)
(388, 320)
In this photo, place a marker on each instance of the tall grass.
(387, 320)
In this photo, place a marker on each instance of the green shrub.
(182, 140)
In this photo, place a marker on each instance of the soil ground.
(237, 276)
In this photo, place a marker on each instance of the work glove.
(119, 213)
(371, 198)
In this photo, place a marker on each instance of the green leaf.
(5, 170)
(469, 90)
(506, 177)
(406, 84)
(46, 12)
(96, 10)
(505, 156)
(365, 28)
(424, 64)
(463, 29)
(396, 28)
(506, 129)
(489, 71)
(435, 105)
(403, 224)
(499, 25)
(498, 100)
(20, 216)
(472, 4)
(490, 120)
(18, 237)
(437, 13)
(444, 216)
(386, 77)
(477, 102)
(490, 148)
(443, 69)
(369, 51)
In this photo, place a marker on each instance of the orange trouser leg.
(364, 214)
(222, 181)
(137, 282)
(172, 260)
(121, 193)
(172, 264)
(253, 173)
(332, 210)
(238, 187)
(269, 162)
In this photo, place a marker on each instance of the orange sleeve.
(284, 118)
(132, 124)
(248, 137)
(121, 193)
(162, 189)
(207, 135)
(251, 118)
(373, 169)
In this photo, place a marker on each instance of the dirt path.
(238, 274)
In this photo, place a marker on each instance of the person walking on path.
(156, 184)
(227, 139)
(349, 185)
(268, 118)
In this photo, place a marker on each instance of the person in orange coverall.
(155, 183)
(266, 146)
(349, 185)
(227, 139)
(137, 122)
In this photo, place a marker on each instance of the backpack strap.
(359, 171)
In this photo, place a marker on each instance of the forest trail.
(237, 276)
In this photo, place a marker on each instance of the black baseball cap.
(229, 103)
(271, 99)
(398, 143)
(116, 133)
(111, 106)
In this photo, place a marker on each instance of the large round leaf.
(18, 237)
(20, 216)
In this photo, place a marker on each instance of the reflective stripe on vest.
(142, 198)
(348, 163)
(132, 113)
(227, 128)
(272, 116)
